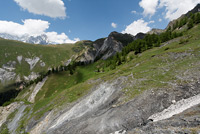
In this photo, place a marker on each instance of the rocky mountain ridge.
(107, 47)
(196, 9)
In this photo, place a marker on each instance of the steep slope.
(153, 91)
(124, 99)
(23, 63)
(174, 24)
(20, 59)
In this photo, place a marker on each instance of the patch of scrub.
(176, 108)
(12, 126)
(32, 62)
(36, 90)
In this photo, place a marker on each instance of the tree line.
(152, 40)
(71, 68)
(141, 45)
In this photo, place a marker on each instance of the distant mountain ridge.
(41, 39)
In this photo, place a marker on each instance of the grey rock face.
(36, 90)
(32, 76)
(32, 62)
(6, 75)
(15, 121)
(19, 59)
(100, 113)
(131, 117)
(156, 31)
(186, 122)
(194, 10)
(10, 66)
(107, 47)
(6, 111)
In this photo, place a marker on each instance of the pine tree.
(197, 18)
(53, 70)
(190, 24)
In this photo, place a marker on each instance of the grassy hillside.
(50, 55)
(158, 68)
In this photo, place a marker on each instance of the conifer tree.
(190, 24)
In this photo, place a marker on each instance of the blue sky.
(71, 20)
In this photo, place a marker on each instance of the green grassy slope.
(51, 55)
(155, 69)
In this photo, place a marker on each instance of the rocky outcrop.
(12, 126)
(106, 47)
(6, 75)
(32, 76)
(176, 108)
(88, 105)
(32, 62)
(187, 122)
(39, 127)
(67, 62)
(36, 90)
(42, 64)
(6, 111)
(19, 59)
(194, 10)
(156, 31)
(10, 66)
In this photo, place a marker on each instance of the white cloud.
(32, 27)
(136, 27)
(149, 6)
(160, 20)
(174, 8)
(114, 25)
(134, 12)
(60, 38)
(51, 8)
(150, 22)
